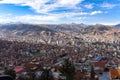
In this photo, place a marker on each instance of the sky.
(60, 11)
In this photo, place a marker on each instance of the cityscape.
(59, 40)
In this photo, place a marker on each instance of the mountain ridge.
(61, 32)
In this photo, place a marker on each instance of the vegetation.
(36, 53)
(10, 72)
(68, 70)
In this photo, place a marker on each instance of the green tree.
(46, 75)
(32, 75)
(68, 69)
(10, 72)
(92, 73)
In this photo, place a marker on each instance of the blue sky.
(60, 11)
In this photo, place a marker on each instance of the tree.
(10, 72)
(46, 75)
(92, 73)
(31, 74)
(68, 69)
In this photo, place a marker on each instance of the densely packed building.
(24, 57)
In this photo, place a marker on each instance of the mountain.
(32, 33)
(59, 33)
(117, 26)
(24, 29)
(65, 27)
(96, 29)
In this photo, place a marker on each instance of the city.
(87, 59)
(59, 39)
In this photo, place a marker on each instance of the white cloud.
(37, 5)
(96, 12)
(44, 18)
(69, 2)
(70, 16)
(89, 6)
(108, 5)
(37, 18)
(52, 17)
(40, 6)
(5, 19)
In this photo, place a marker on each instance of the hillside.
(24, 29)
(59, 33)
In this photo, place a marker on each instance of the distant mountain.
(33, 33)
(60, 32)
(24, 29)
(117, 26)
(96, 29)
(77, 28)
(65, 27)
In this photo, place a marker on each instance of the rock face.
(62, 33)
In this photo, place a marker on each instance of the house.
(99, 66)
(114, 73)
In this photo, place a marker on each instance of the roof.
(105, 76)
(114, 73)
(98, 58)
(99, 64)
(18, 69)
